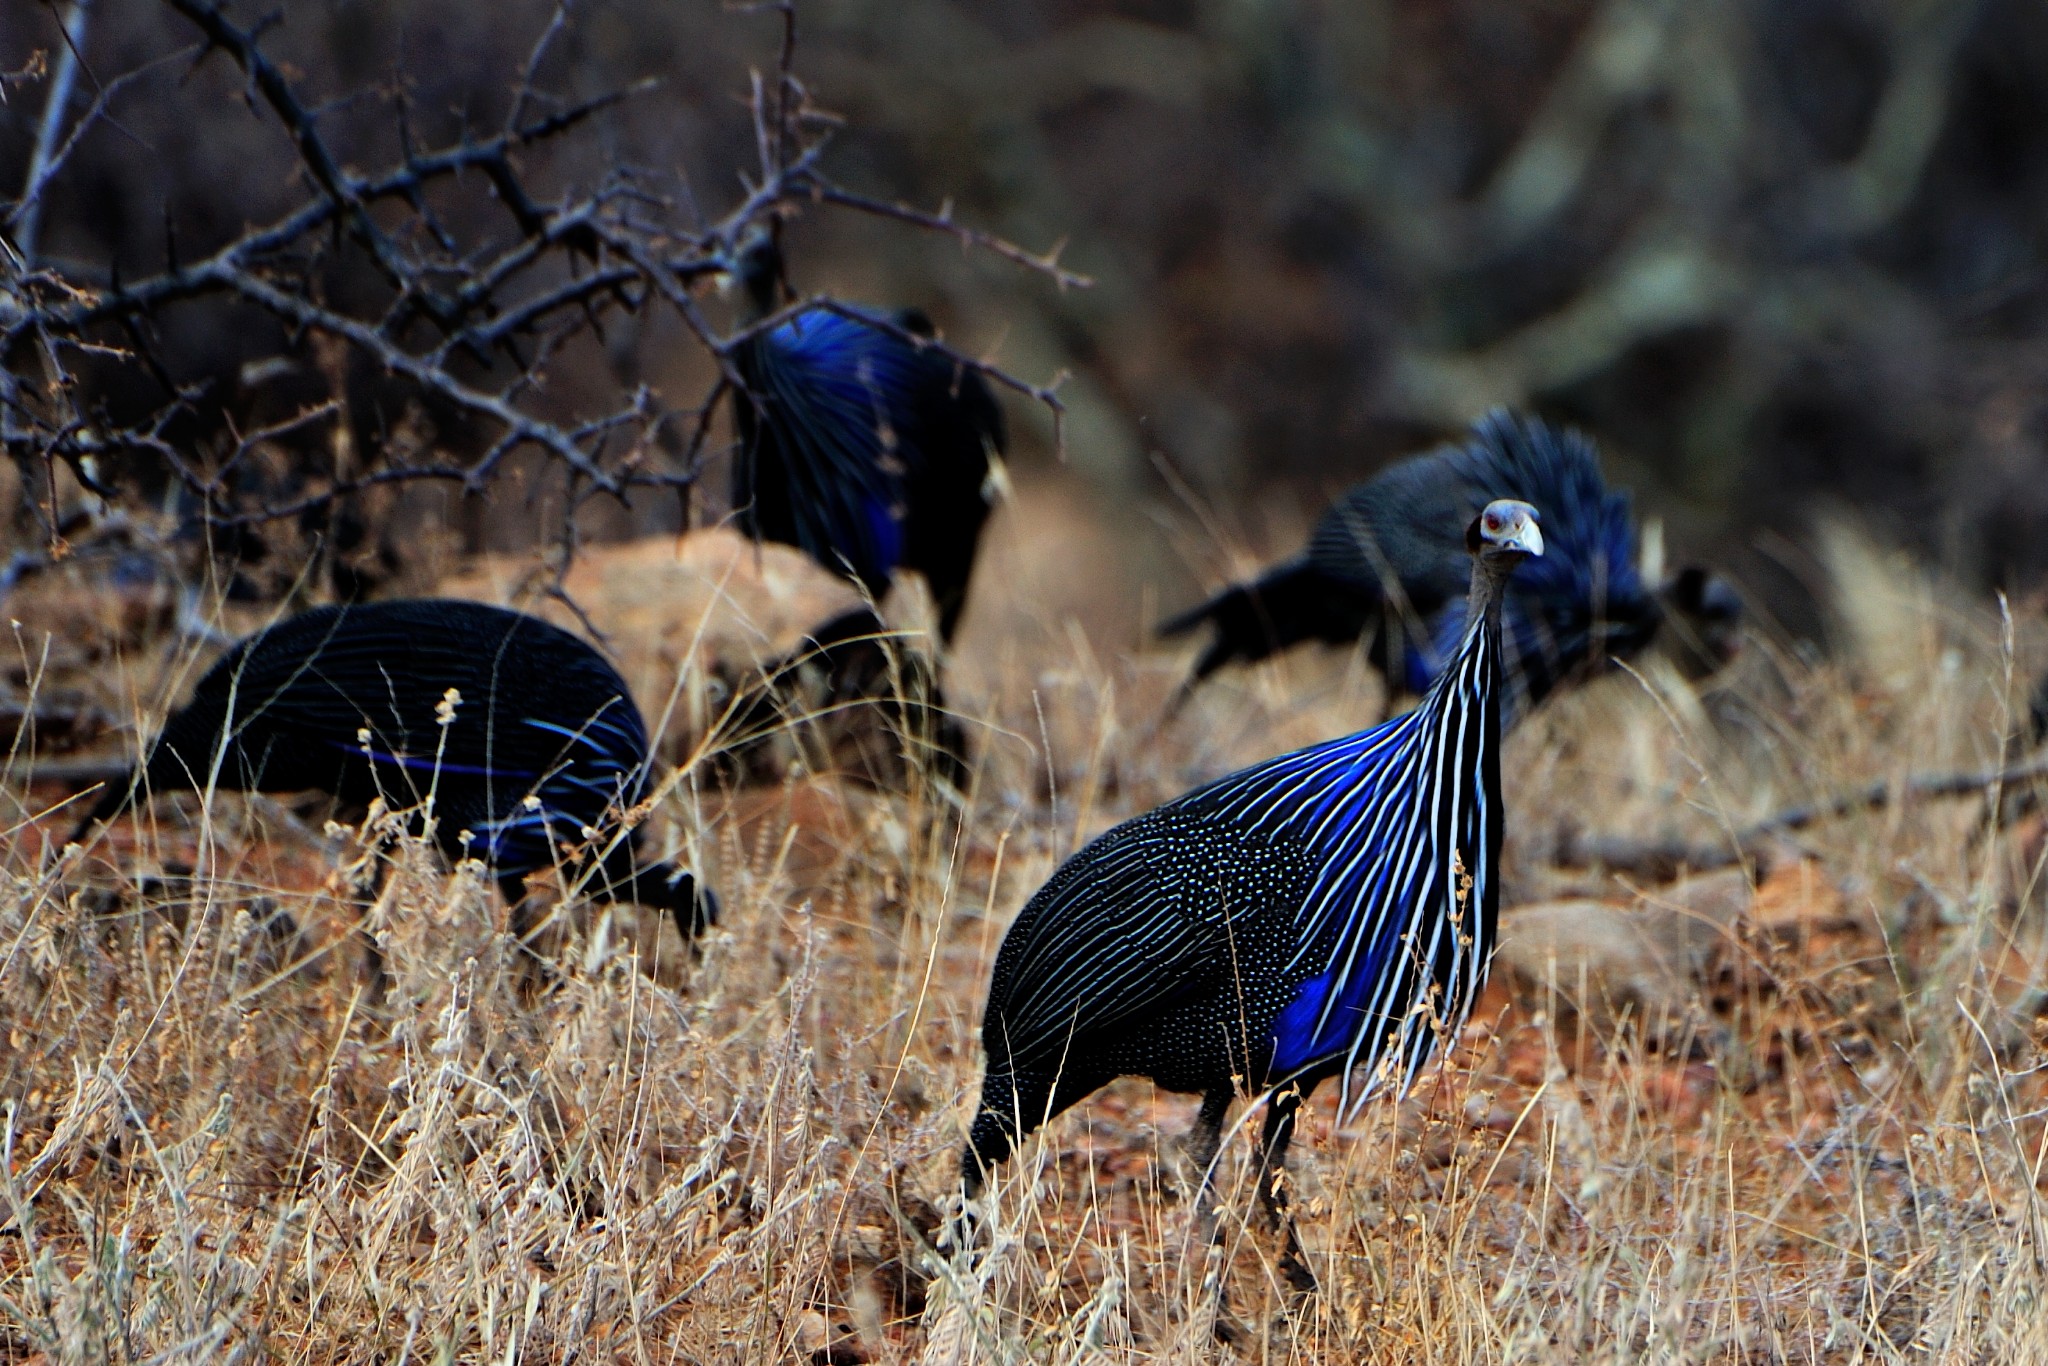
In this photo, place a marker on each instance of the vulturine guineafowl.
(1329, 913)
(526, 740)
(1384, 562)
(847, 662)
(869, 452)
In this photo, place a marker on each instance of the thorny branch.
(468, 313)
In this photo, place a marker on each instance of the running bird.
(1329, 913)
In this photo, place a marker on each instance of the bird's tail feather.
(1290, 603)
(117, 795)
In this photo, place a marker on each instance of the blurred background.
(1783, 258)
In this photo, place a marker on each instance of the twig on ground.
(1666, 858)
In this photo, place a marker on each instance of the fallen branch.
(84, 772)
(1663, 859)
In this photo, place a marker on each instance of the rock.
(1798, 898)
(717, 636)
(1605, 960)
(690, 621)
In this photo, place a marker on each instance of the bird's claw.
(1294, 1269)
(959, 1235)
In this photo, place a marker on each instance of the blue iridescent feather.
(1584, 599)
(1328, 913)
(1389, 845)
(862, 442)
(858, 385)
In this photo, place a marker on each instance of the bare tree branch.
(46, 159)
(505, 296)
(1047, 263)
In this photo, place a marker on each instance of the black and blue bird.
(859, 444)
(1384, 564)
(1329, 913)
(525, 739)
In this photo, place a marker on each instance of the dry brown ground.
(1825, 1143)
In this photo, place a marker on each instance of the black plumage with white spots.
(1328, 913)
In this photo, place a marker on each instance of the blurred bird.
(523, 739)
(847, 664)
(1702, 621)
(864, 449)
(1327, 913)
(1384, 559)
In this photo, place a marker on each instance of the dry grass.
(215, 1150)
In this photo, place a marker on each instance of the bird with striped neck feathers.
(1328, 913)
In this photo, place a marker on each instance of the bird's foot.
(1229, 1330)
(1210, 1319)
(960, 1234)
(1292, 1261)
(1295, 1270)
(1226, 1326)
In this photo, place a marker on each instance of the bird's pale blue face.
(1508, 524)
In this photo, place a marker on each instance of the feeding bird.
(1330, 912)
(846, 664)
(867, 451)
(525, 739)
(1385, 559)
(1702, 621)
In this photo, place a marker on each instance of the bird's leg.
(523, 922)
(1205, 1140)
(1277, 1134)
(376, 981)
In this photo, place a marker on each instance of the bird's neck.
(1480, 646)
(761, 281)
(1489, 587)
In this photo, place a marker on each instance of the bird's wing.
(837, 403)
(331, 673)
(1585, 596)
(1139, 919)
(1405, 522)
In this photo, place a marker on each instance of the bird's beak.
(1528, 540)
(995, 486)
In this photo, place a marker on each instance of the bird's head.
(754, 263)
(1504, 528)
(1704, 611)
(694, 905)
